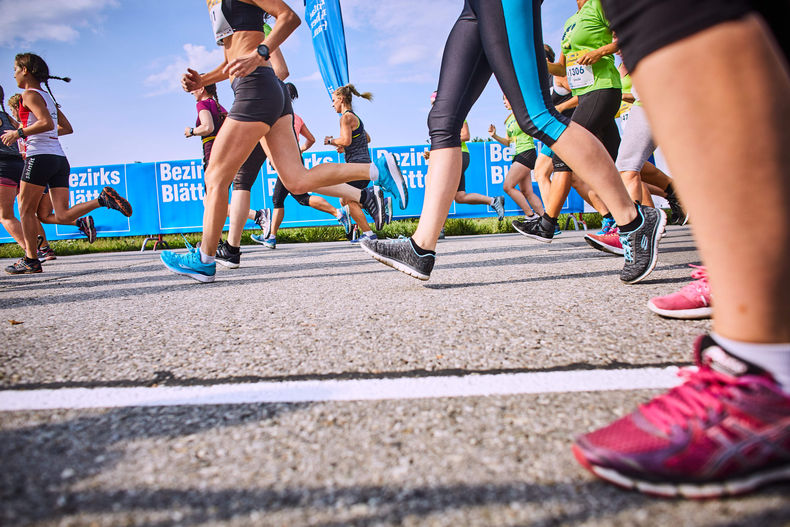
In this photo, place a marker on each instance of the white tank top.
(45, 142)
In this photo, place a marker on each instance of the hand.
(188, 132)
(10, 137)
(191, 80)
(244, 65)
(591, 57)
(328, 140)
(340, 150)
(492, 130)
(426, 154)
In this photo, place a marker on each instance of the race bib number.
(579, 76)
(625, 107)
(219, 23)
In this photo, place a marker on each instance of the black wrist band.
(21, 132)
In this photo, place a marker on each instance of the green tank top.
(588, 30)
(523, 140)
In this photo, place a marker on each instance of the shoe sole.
(378, 219)
(268, 230)
(195, 276)
(400, 183)
(123, 206)
(595, 244)
(732, 487)
(395, 264)
(229, 265)
(660, 229)
(698, 313)
(532, 236)
(91, 229)
(32, 271)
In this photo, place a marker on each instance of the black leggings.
(280, 193)
(596, 113)
(484, 41)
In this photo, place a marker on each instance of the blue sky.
(126, 57)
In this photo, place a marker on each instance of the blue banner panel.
(329, 41)
(167, 196)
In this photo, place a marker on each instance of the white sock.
(773, 358)
(368, 233)
(338, 213)
(374, 173)
(206, 259)
(492, 201)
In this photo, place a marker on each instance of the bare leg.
(589, 195)
(747, 269)
(560, 187)
(63, 215)
(471, 198)
(444, 174)
(517, 175)
(239, 212)
(7, 218)
(319, 203)
(543, 169)
(277, 219)
(44, 210)
(653, 175)
(355, 210)
(647, 199)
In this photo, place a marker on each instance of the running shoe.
(399, 254)
(344, 220)
(693, 301)
(189, 264)
(499, 207)
(391, 179)
(372, 201)
(87, 227)
(608, 243)
(269, 243)
(263, 217)
(679, 216)
(607, 225)
(532, 217)
(557, 231)
(110, 198)
(537, 230)
(724, 431)
(25, 266)
(227, 258)
(387, 210)
(44, 252)
(371, 236)
(640, 246)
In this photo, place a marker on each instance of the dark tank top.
(357, 151)
(229, 16)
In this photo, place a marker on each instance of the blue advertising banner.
(329, 41)
(167, 196)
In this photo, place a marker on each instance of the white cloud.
(168, 79)
(58, 20)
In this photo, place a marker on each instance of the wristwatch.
(263, 51)
(21, 132)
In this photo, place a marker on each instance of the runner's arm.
(591, 57)
(309, 138)
(557, 68)
(64, 126)
(345, 132)
(465, 132)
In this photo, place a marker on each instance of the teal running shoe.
(344, 219)
(391, 179)
(269, 243)
(189, 264)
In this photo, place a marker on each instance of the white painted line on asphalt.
(342, 390)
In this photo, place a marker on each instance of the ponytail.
(211, 89)
(36, 66)
(347, 91)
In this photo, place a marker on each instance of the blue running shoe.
(391, 179)
(557, 231)
(189, 264)
(270, 243)
(387, 213)
(606, 226)
(344, 219)
(365, 237)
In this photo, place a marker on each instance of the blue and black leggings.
(503, 37)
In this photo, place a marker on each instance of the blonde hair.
(13, 103)
(347, 91)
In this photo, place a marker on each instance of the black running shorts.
(527, 158)
(11, 171)
(47, 169)
(248, 173)
(259, 97)
(645, 26)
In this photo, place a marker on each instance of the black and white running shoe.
(640, 246)
(373, 202)
(536, 229)
(227, 258)
(401, 255)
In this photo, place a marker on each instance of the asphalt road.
(327, 312)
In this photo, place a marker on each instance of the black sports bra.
(229, 16)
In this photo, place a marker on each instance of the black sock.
(257, 216)
(31, 260)
(670, 190)
(547, 222)
(634, 225)
(231, 249)
(608, 216)
(419, 250)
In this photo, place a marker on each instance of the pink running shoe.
(725, 431)
(693, 301)
(608, 243)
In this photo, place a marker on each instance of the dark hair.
(347, 91)
(36, 66)
(292, 91)
(549, 52)
(2, 98)
(211, 89)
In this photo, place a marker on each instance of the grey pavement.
(496, 303)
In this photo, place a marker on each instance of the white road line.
(341, 390)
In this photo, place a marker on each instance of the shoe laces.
(699, 398)
(700, 285)
(188, 245)
(628, 251)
